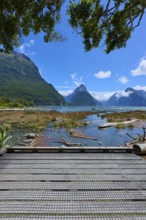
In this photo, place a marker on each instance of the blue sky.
(66, 65)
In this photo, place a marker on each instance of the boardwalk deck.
(72, 186)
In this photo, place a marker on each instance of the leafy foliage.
(3, 137)
(18, 18)
(111, 21)
(6, 102)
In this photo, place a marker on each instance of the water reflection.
(104, 137)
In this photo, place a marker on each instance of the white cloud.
(32, 42)
(73, 76)
(141, 69)
(76, 79)
(137, 87)
(25, 48)
(65, 89)
(32, 53)
(120, 94)
(22, 48)
(102, 96)
(123, 79)
(65, 92)
(103, 75)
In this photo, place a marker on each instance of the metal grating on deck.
(72, 186)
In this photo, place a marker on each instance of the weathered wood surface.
(140, 148)
(69, 156)
(69, 149)
(110, 124)
(72, 186)
(77, 217)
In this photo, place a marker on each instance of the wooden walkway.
(72, 186)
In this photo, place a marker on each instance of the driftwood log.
(80, 134)
(67, 143)
(138, 143)
(110, 124)
(139, 148)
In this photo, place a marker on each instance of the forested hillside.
(20, 78)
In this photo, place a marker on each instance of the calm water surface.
(104, 137)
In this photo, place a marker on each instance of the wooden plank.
(70, 166)
(68, 186)
(74, 217)
(73, 161)
(73, 195)
(73, 207)
(105, 185)
(47, 156)
(65, 177)
(67, 171)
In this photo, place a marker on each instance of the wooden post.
(139, 148)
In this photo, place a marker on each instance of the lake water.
(87, 108)
(104, 137)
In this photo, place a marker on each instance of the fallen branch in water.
(80, 134)
(131, 137)
(139, 139)
(144, 133)
(62, 140)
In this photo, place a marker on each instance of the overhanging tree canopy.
(113, 21)
(96, 21)
(18, 18)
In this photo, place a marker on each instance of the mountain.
(130, 97)
(20, 78)
(81, 97)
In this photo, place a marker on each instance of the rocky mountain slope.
(81, 97)
(130, 97)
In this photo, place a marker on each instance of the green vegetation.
(41, 120)
(96, 21)
(19, 77)
(124, 116)
(3, 137)
(113, 21)
(14, 103)
(19, 18)
(123, 126)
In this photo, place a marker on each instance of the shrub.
(3, 137)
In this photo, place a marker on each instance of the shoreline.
(12, 109)
(59, 125)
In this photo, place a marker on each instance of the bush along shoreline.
(7, 103)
